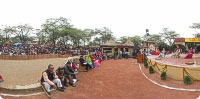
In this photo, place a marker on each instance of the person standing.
(115, 55)
(120, 54)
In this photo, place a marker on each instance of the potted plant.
(187, 80)
(163, 75)
(151, 70)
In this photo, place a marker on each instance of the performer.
(157, 51)
(178, 52)
(162, 54)
(189, 55)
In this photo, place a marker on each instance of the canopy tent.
(17, 44)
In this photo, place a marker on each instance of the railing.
(176, 72)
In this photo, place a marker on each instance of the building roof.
(109, 43)
(128, 43)
(113, 43)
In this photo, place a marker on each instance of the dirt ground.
(25, 72)
(115, 79)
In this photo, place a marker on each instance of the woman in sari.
(189, 55)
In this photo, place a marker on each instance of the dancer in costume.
(189, 54)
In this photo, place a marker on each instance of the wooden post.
(183, 73)
(140, 58)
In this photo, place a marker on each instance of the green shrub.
(187, 80)
(163, 75)
(145, 63)
(151, 70)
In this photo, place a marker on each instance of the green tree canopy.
(7, 32)
(23, 32)
(155, 38)
(136, 39)
(54, 26)
(169, 36)
(123, 39)
(196, 26)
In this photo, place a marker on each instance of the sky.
(123, 17)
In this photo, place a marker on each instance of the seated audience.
(93, 58)
(61, 75)
(70, 74)
(89, 61)
(83, 63)
(73, 66)
(49, 78)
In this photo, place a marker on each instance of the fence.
(29, 57)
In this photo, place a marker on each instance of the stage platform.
(176, 67)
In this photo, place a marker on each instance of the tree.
(84, 37)
(54, 26)
(106, 34)
(23, 32)
(169, 35)
(155, 38)
(123, 39)
(1, 36)
(7, 32)
(100, 35)
(40, 35)
(14, 39)
(88, 35)
(97, 41)
(76, 35)
(136, 39)
(162, 45)
(196, 26)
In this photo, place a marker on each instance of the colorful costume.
(189, 55)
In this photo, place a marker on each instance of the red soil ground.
(115, 79)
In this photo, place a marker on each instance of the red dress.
(189, 55)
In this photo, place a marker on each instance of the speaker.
(147, 30)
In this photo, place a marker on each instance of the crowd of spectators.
(35, 49)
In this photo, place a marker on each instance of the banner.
(192, 39)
